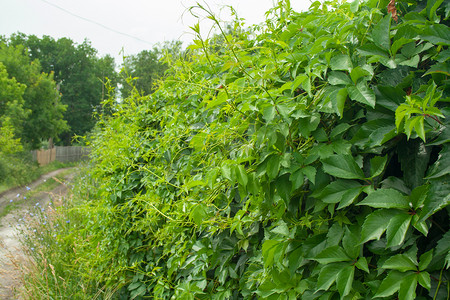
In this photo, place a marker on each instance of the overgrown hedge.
(305, 159)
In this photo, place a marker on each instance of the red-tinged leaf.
(392, 10)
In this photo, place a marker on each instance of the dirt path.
(9, 245)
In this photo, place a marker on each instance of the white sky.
(150, 20)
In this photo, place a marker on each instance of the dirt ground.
(11, 254)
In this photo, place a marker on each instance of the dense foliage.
(79, 74)
(303, 159)
(141, 71)
(28, 98)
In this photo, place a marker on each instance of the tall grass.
(53, 239)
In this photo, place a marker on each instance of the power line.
(96, 23)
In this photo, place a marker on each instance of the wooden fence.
(62, 154)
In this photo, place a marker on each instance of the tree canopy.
(79, 74)
(29, 98)
(141, 71)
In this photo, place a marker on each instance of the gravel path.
(10, 251)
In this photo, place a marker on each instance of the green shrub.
(306, 159)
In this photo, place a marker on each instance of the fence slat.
(61, 153)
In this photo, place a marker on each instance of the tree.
(40, 115)
(146, 67)
(79, 74)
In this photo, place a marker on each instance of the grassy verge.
(46, 186)
(60, 249)
(34, 173)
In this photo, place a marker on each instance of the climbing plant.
(304, 158)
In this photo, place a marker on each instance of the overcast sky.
(112, 25)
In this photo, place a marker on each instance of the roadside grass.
(46, 186)
(59, 257)
(34, 173)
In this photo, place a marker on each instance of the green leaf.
(331, 255)
(381, 31)
(443, 247)
(198, 214)
(310, 173)
(221, 98)
(342, 166)
(297, 179)
(341, 97)
(273, 166)
(269, 113)
(357, 73)
(376, 224)
(438, 197)
(397, 228)
(333, 193)
(354, 6)
(377, 165)
(424, 279)
(414, 160)
(438, 34)
(284, 186)
(362, 264)
(418, 196)
(242, 177)
(425, 259)
(408, 287)
(271, 251)
(432, 6)
(439, 68)
(386, 198)
(362, 94)
(338, 78)
(344, 280)
(328, 275)
(390, 284)
(400, 262)
(341, 62)
(442, 165)
(350, 242)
